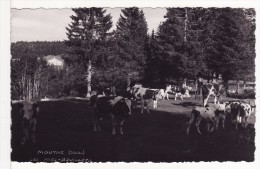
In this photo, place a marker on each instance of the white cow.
(207, 113)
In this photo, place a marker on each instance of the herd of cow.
(122, 103)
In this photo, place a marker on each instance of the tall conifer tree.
(86, 33)
(131, 36)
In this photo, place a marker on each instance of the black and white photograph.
(133, 84)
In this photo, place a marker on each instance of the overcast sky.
(49, 25)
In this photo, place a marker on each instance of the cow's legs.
(121, 126)
(32, 132)
(212, 125)
(181, 97)
(113, 124)
(155, 104)
(221, 119)
(216, 99)
(198, 124)
(25, 135)
(190, 123)
(208, 127)
(238, 120)
(205, 101)
(216, 124)
(96, 124)
(223, 122)
(167, 96)
(147, 105)
(245, 122)
(142, 105)
(163, 96)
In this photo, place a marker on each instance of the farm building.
(55, 61)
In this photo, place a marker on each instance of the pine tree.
(86, 36)
(131, 36)
(181, 49)
(152, 78)
(225, 51)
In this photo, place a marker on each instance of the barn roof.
(58, 57)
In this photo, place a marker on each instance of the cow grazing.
(118, 108)
(28, 111)
(146, 95)
(209, 89)
(206, 113)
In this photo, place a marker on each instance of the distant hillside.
(41, 49)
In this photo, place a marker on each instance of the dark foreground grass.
(65, 134)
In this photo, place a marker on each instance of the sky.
(49, 24)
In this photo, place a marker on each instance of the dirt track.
(66, 127)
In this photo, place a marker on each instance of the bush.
(74, 93)
(247, 94)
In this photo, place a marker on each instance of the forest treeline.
(191, 42)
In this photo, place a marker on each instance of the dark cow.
(118, 108)
(233, 111)
(146, 95)
(209, 89)
(28, 111)
(239, 112)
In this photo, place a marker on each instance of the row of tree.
(191, 42)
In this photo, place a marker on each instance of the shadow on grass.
(186, 104)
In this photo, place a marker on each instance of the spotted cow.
(209, 89)
(212, 115)
(146, 95)
(239, 112)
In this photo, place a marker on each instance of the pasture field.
(65, 134)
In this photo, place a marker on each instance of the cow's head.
(29, 110)
(248, 108)
(232, 108)
(122, 105)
